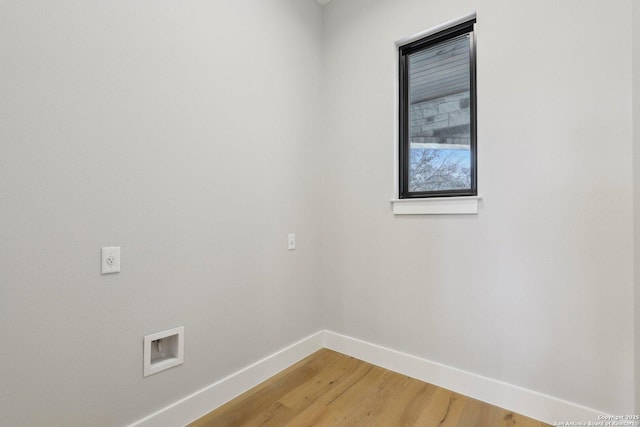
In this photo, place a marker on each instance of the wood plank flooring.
(331, 389)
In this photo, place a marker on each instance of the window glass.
(437, 115)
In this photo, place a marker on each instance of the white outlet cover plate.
(111, 260)
(291, 242)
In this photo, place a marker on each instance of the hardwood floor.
(331, 389)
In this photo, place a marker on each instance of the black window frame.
(466, 27)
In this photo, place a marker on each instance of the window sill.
(436, 206)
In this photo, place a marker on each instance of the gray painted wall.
(536, 290)
(126, 123)
(636, 192)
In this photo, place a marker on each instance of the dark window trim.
(404, 51)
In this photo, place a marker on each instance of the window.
(437, 150)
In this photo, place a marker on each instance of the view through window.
(438, 149)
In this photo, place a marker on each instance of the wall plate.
(111, 260)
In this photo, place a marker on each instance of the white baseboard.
(206, 400)
(517, 399)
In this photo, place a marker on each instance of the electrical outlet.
(292, 242)
(111, 260)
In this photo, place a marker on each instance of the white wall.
(536, 290)
(184, 132)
